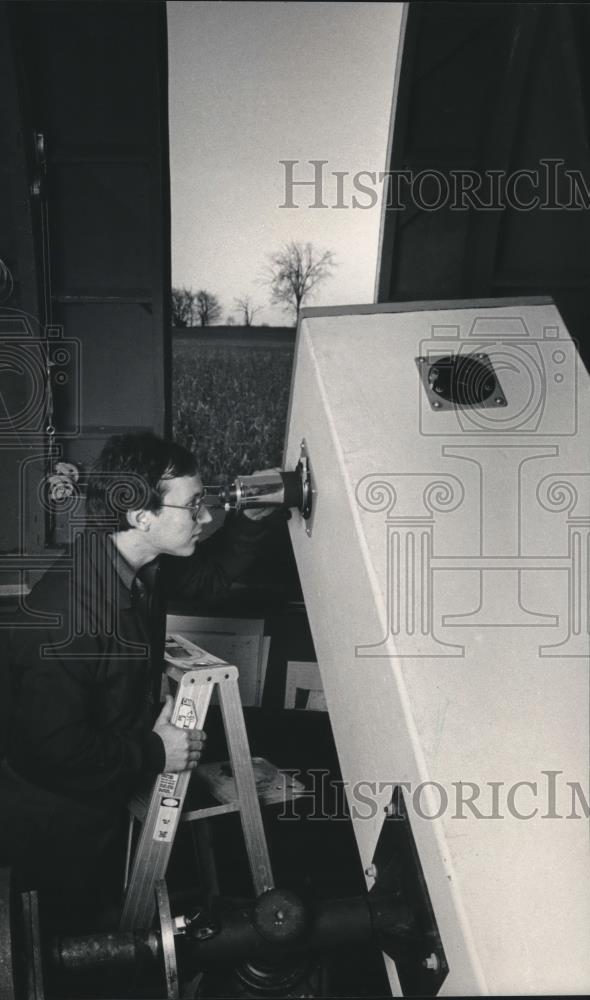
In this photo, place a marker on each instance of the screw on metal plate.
(431, 962)
(40, 145)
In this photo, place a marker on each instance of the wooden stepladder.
(161, 813)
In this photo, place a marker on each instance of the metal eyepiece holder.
(269, 489)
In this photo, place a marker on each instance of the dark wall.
(492, 87)
(84, 253)
(22, 312)
(91, 80)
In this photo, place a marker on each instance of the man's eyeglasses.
(195, 507)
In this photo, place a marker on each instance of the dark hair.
(129, 475)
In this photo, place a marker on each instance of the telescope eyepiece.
(267, 489)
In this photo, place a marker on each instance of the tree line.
(292, 274)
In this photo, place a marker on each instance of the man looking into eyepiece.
(87, 727)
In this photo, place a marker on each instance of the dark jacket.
(86, 679)
(86, 664)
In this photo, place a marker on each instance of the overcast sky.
(252, 84)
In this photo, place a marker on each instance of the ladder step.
(209, 811)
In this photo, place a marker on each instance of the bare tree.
(294, 271)
(208, 308)
(183, 307)
(246, 308)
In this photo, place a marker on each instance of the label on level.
(186, 717)
(166, 820)
(167, 783)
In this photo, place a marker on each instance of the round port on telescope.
(462, 379)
